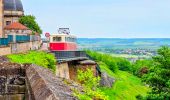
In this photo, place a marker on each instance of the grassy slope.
(35, 57)
(127, 86)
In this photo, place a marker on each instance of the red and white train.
(62, 41)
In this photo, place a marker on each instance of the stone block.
(106, 80)
(16, 89)
(12, 97)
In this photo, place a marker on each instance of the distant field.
(129, 56)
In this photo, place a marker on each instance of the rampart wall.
(19, 47)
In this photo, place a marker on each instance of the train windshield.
(57, 38)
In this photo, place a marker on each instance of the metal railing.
(10, 38)
(69, 54)
(22, 38)
(3, 41)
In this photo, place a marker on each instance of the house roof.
(16, 26)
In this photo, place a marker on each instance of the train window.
(56, 38)
(70, 39)
(67, 39)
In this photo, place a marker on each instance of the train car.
(63, 41)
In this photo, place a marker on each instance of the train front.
(63, 41)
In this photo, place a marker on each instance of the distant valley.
(129, 48)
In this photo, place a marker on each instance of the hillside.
(126, 87)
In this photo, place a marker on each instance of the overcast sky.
(103, 18)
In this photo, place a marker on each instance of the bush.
(35, 57)
(141, 67)
(124, 64)
(90, 85)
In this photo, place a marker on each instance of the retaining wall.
(63, 70)
(46, 86)
(19, 47)
(12, 82)
(5, 50)
(31, 82)
(73, 70)
(69, 69)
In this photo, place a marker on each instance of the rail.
(69, 54)
(3, 41)
(23, 38)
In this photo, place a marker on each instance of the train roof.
(67, 35)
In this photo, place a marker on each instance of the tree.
(30, 22)
(159, 76)
(141, 67)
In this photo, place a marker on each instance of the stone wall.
(35, 45)
(31, 82)
(23, 47)
(12, 81)
(68, 70)
(5, 50)
(46, 86)
(74, 68)
(63, 70)
(20, 47)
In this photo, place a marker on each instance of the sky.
(103, 18)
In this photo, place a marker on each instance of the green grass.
(126, 87)
(35, 57)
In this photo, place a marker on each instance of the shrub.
(90, 85)
(141, 67)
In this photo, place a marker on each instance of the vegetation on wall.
(30, 22)
(90, 85)
(35, 57)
